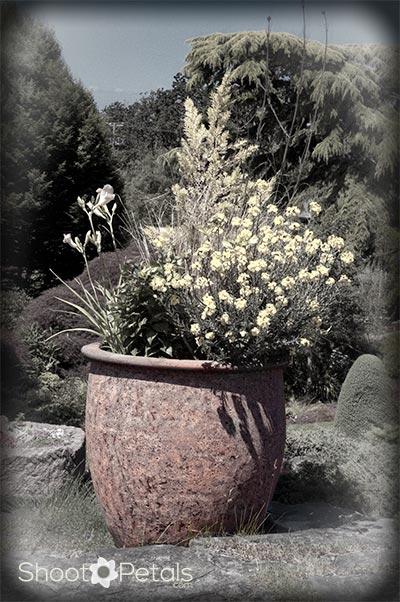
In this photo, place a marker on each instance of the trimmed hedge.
(366, 398)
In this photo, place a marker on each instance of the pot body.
(176, 448)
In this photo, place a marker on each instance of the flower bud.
(68, 240)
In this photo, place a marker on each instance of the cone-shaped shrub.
(366, 398)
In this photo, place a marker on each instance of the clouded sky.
(119, 50)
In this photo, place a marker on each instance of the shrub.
(42, 354)
(319, 372)
(13, 302)
(145, 327)
(373, 281)
(58, 401)
(243, 280)
(325, 465)
(234, 279)
(390, 354)
(366, 398)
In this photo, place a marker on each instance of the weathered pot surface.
(177, 447)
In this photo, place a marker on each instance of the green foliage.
(146, 134)
(13, 302)
(231, 279)
(143, 133)
(150, 124)
(252, 282)
(54, 147)
(318, 373)
(375, 300)
(324, 117)
(42, 353)
(48, 311)
(58, 401)
(144, 323)
(324, 465)
(148, 181)
(366, 398)
(390, 354)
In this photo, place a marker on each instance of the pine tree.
(54, 148)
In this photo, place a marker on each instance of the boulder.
(38, 459)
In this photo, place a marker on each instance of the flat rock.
(38, 459)
(354, 562)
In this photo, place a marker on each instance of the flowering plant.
(248, 281)
(237, 278)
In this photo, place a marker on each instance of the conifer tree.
(54, 148)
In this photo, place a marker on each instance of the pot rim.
(93, 352)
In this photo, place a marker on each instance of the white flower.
(68, 240)
(347, 257)
(158, 284)
(240, 303)
(195, 329)
(103, 572)
(104, 195)
(315, 208)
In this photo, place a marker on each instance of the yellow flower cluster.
(264, 317)
(250, 272)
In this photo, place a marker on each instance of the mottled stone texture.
(38, 459)
(174, 452)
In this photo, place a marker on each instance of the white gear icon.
(103, 572)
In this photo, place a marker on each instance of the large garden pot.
(181, 447)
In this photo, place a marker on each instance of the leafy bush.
(13, 302)
(42, 353)
(145, 326)
(374, 298)
(366, 398)
(319, 372)
(148, 182)
(390, 354)
(324, 465)
(234, 278)
(243, 276)
(58, 401)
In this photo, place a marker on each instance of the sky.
(122, 49)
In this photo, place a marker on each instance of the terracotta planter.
(180, 446)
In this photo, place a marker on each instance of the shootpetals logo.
(103, 572)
